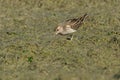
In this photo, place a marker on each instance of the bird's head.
(58, 30)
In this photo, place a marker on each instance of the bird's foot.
(70, 38)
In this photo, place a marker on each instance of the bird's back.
(76, 22)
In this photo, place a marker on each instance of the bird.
(70, 26)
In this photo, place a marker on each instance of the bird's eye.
(57, 29)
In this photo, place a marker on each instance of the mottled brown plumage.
(70, 25)
(76, 22)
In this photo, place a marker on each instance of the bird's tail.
(80, 20)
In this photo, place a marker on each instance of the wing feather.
(76, 22)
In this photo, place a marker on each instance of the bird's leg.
(70, 38)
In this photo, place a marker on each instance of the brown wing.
(77, 22)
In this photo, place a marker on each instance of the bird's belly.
(68, 31)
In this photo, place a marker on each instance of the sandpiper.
(70, 26)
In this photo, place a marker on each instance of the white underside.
(69, 30)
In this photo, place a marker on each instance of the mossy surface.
(30, 51)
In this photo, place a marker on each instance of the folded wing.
(77, 22)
